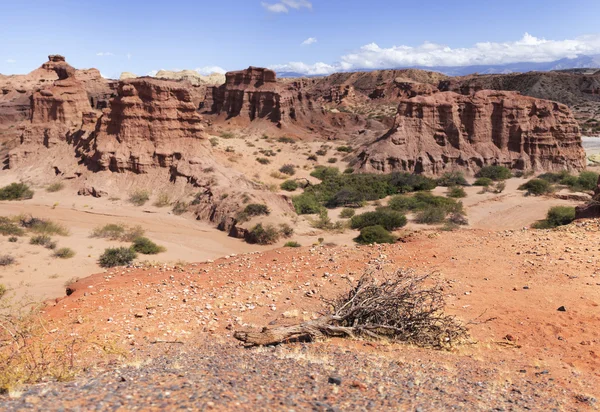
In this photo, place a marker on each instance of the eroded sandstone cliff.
(448, 131)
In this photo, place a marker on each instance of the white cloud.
(309, 41)
(11, 61)
(284, 6)
(205, 71)
(104, 54)
(527, 49)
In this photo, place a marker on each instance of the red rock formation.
(150, 123)
(448, 131)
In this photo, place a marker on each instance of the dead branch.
(402, 307)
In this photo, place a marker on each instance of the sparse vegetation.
(228, 135)
(180, 208)
(374, 234)
(214, 141)
(263, 160)
(289, 185)
(344, 149)
(450, 179)
(388, 219)
(64, 253)
(6, 260)
(13, 239)
(483, 181)
(423, 200)
(285, 139)
(495, 173)
(537, 187)
(431, 215)
(43, 240)
(288, 169)
(139, 197)
(117, 231)
(321, 152)
(286, 230)
(556, 216)
(42, 226)
(313, 158)
(10, 228)
(292, 244)
(332, 160)
(263, 235)
(347, 213)
(119, 256)
(145, 246)
(3, 291)
(586, 180)
(456, 192)
(55, 187)
(16, 191)
(256, 209)
(162, 200)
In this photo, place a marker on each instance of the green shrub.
(263, 235)
(43, 240)
(456, 192)
(452, 179)
(42, 226)
(587, 180)
(16, 191)
(495, 172)
(374, 234)
(424, 200)
(112, 231)
(13, 239)
(314, 158)
(228, 135)
(388, 219)
(555, 177)
(324, 172)
(162, 200)
(55, 187)
(6, 260)
(306, 204)
(180, 208)
(431, 215)
(139, 197)
(255, 209)
(3, 290)
(347, 213)
(145, 246)
(321, 152)
(286, 230)
(348, 171)
(483, 181)
(288, 169)
(263, 160)
(344, 149)
(292, 244)
(119, 256)
(132, 233)
(537, 187)
(9, 228)
(64, 253)
(285, 139)
(332, 160)
(289, 185)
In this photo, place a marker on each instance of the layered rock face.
(448, 131)
(255, 93)
(151, 123)
(192, 76)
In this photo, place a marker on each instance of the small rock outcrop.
(448, 131)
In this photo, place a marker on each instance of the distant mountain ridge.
(580, 62)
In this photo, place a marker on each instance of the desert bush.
(374, 234)
(324, 172)
(286, 230)
(132, 233)
(457, 219)
(332, 160)
(162, 200)
(292, 244)
(314, 158)
(553, 177)
(55, 187)
(119, 256)
(263, 160)
(483, 181)
(139, 197)
(306, 204)
(13, 239)
(16, 191)
(42, 226)
(43, 240)
(288, 169)
(214, 141)
(6, 260)
(112, 231)
(449, 179)
(495, 173)
(537, 187)
(556, 216)
(431, 215)
(344, 149)
(180, 208)
(278, 175)
(348, 171)
(347, 213)
(423, 200)
(456, 192)
(289, 185)
(228, 135)
(9, 228)
(263, 235)
(499, 187)
(64, 253)
(585, 181)
(321, 152)
(145, 246)
(256, 209)
(3, 290)
(285, 139)
(388, 219)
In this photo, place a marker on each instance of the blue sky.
(142, 36)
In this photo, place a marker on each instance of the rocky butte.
(449, 131)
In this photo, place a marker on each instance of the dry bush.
(43, 226)
(403, 307)
(118, 231)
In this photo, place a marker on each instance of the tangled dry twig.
(402, 307)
